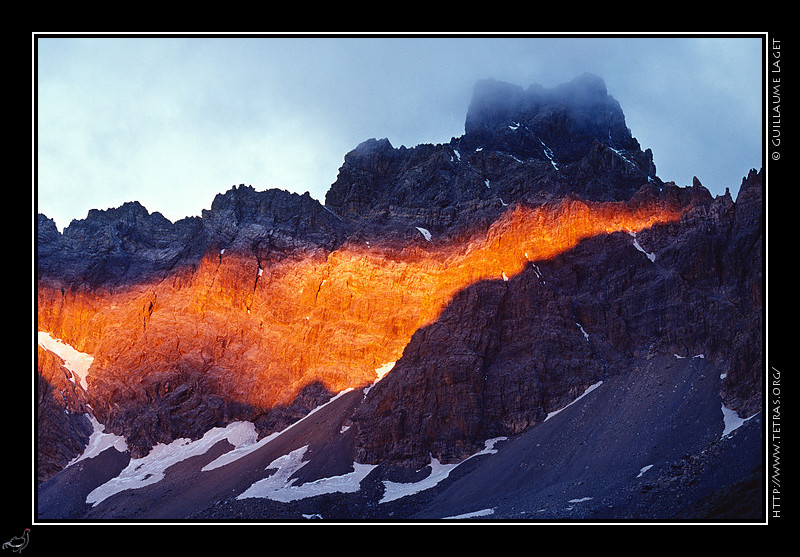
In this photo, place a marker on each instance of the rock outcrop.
(61, 416)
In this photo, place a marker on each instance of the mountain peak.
(584, 88)
(493, 101)
(519, 144)
(570, 114)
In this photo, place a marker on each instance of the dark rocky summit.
(128, 244)
(531, 145)
(125, 244)
(500, 357)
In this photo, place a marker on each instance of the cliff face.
(63, 428)
(504, 354)
(239, 334)
(501, 274)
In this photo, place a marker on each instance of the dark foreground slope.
(645, 445)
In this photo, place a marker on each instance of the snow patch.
(585, 334)
(331, 212)
(397, 490)
(78, 363)
(732, 421)
(424, 232)
(586, 392)
(549, 154)
(439, 472)
(643, 470)
(151, 469)
(383, 370)
(243, 437)
(380, 373)
(650, 256)
(246, 443)
(99, 441)
(280, 485)
(621, 155)
(536, 269)
(474, 514)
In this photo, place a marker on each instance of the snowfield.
(151, 468)
(99, 441)
(280, 486)
(439, 472)
(76, 362)
(732, 421)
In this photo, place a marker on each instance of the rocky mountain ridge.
(498, 276)
(451, 189)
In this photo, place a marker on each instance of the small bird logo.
(18, 543)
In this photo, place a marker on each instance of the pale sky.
(172, 121)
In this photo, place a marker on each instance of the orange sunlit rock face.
(259, 335)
